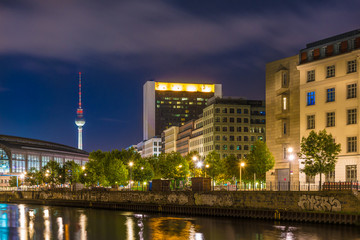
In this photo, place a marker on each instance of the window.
(231, 110)
(224, 138)
(246, 147)
(330, 71)
(238, 138)
(224, 110)
(352, 116)
(311, 76)
(337, 47)
(352, 144)
(310, 121)
(246, 111)
(217, 147)
(231, 129)
(224, 120)
(155, 149)
(330, 119)
(252, 138)
(284, 128)
(246, 120)
(351, 90)
(351, 174)
(217, 110)
(246, 129)
(155, 143)
(238, 156)
(284, 103)
(232, 138)
(225, 147)
(231, 147)
(217, 128)
(284, 80)
(238, 129)
(246, 138)
(238, 120)
(351, 66)
(238, 147)
(330, 95)
(285, 153)
(231, 120)
(224, 129)
(217, 119)
(238, 110)
(310, 98)
(217, 138)
(224, 155)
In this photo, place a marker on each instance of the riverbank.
(341, 207)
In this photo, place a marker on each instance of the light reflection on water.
(27, 222)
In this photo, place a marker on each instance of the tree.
(13, 182)
(95, 169)
(116, 172)
(34, 177)
(216, 165)
(52, 173)
(194, 171)
(259, 161)
(71, 172)
(155, 166)
(173, 166)
(142, 171)
(231, 167)
(318, 153)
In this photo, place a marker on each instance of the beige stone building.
(329, 98)
(169, 137)
(151, 147)
(315, 90)
(196, 142)
(283, 118)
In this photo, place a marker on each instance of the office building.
(173, 104)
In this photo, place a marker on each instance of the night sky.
(120, 45)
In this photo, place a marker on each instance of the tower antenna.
(80, 121)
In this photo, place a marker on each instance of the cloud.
(152, 32)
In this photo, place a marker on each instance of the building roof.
(236, 101)
(37, 145)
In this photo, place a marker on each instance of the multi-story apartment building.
(151, 147)
(169, 137)
(173, 104)
(231, 126)
(329, 98)
(315, 90)
(182, 142)
(196, 142)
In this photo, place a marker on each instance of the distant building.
(151, 147)
(169, 137)
(315, 90)
(19, 155)
(173, 104)
(196, 142)
(183, 138)
(231, 126)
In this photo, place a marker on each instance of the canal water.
(22, 221)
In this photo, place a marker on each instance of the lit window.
(310, 98)
(284, 103)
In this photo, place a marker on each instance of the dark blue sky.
(118, 45)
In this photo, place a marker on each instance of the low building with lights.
(173, 104)
(19, 155)
(151, 147)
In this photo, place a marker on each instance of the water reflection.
(27, 222)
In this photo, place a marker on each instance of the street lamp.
(194, 158)
(130, 165)
(83, 168)
(242, 164)
(291, 158)
(206, 166)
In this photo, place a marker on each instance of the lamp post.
(291, 158)
(130, 165)
(242, 164)
(199, 164)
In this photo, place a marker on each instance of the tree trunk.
(320, 187)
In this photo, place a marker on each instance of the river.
(25, 222)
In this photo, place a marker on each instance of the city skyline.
(229, 45)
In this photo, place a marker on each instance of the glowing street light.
(242, 164)
(199, 164)
(206, 166)
(180, 166)
(83, 168)
(194, 158)
(290, 158)
(130, 165)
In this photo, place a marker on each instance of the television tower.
(80, 121)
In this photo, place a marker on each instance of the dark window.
(246, 120)
(224, 129)
(231, 120)
(224, 110)
(246, 129)
(238, 110)
(232, 138)
(238, 120)
(246, 111)
(231, 129)
(231, 110)
(238, 129)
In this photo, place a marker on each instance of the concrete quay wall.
(340, 201)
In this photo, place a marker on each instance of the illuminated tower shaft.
(80, 121)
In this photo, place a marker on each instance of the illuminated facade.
(151, 147)
(173, 104)
(169, 137)
(18, 155)
(315, 90)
